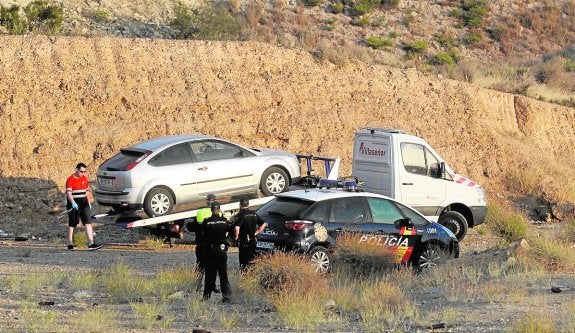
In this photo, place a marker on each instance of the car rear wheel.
(455, 222)
(320, 259)
(274, 181)
(431, 256)
(158, 202)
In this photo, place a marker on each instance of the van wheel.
(320, 259)
(274, 181)
(158, 202)
(455, 222)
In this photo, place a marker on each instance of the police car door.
(347, 215)
(389, 227)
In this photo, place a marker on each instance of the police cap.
(215, 204)
(210, 197)
(244, 202)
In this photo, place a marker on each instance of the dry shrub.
(385, 308)
(551, 255)
(505, 223)
(255, 12)
(569, 230)
(534, 323)
(361, 257)
(282, 272)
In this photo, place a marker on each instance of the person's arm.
(262, 225)
(237, 232)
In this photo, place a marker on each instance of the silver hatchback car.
(158, 173)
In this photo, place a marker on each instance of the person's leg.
(71, 236)
(210, 278)
(223, 274)
(250, 255)
(243, 257)
(89, 233)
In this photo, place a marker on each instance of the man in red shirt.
(79, 202)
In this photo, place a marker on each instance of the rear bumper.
(479, 213)
(125, 199)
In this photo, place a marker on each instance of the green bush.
(569, 65)
(473, 38)
(312, 3)
(416, 48)
(337, 7)
(506, 224)
(534, 324)
(364, 6)
(43, 17)
(443, 58)
(39, 16)
(11, 20)
(207, 22)
(361, 21)
(474, 12)
(376, 42)
(446, 41)
(390, 3)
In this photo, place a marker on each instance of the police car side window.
(383, 211)
(414, 158)
(415, 218)
(348, 210)
(319, 212)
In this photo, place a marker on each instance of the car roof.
(152, 144)
(317, 194)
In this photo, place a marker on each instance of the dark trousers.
(200, 264)
(217, 265)
(246, 256)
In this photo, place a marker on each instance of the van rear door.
(372, 162)
(420, 183)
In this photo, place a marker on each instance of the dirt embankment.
(69, 99)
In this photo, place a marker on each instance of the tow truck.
(169, 227)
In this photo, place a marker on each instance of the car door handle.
(338, 229)
(203, 168)
(406, 183)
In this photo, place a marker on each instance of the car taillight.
(133, 164)
(297, 225)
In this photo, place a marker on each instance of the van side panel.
(372, 163)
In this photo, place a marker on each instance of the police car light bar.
(348, 185)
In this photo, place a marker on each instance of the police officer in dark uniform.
(248, 225)
(215, 236)
(195, 226)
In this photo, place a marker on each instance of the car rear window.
(121, 160)
(288, 207)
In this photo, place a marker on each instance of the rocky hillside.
(70, 99)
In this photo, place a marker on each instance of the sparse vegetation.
(508, 225)
(416, 48)
(377, 42)
(211, 22)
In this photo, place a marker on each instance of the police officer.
(215, 236)
(248, 225)
(194, 226)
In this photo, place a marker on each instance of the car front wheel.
(158, 202)
(320, 259)
(274, 181)
(431, 256)
(455, 222)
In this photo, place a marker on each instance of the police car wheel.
(455, 222)
(158, 202)
(431, 256)
(320, 259)
(274, 180)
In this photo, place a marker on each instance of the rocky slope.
(70, 99)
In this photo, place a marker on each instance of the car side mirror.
(405, 222)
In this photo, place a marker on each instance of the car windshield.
(289, 207)
(121, 160)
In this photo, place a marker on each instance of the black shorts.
(80, 214)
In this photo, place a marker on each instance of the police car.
(309, 221)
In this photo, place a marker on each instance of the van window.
(419, 160)
(383, 211)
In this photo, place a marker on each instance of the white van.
(406, 168)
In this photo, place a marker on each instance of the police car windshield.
(289, 207)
